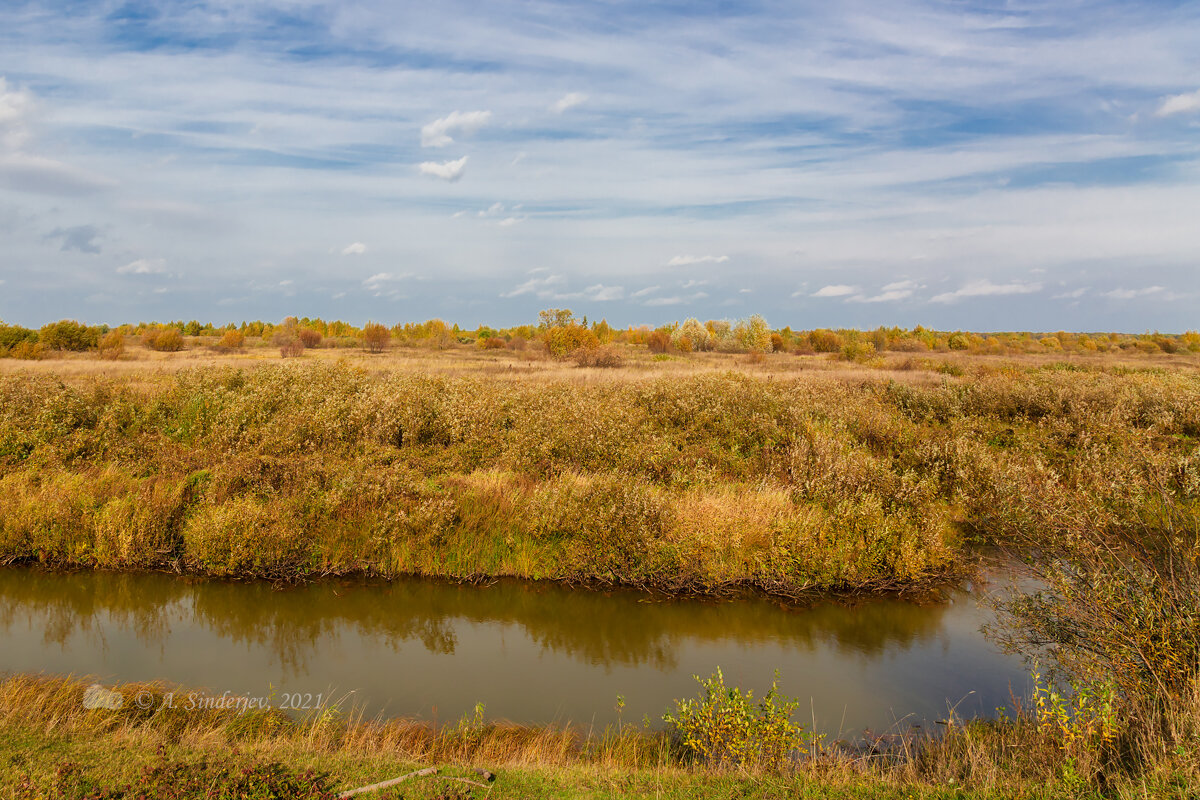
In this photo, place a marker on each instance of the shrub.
(163, 338)
(28, 351)
(309, 338)
(232, 340)
(606, 355)
(725, 728)
(563, 340)
(824, 341)
(13, 335)
(754, 335)
(659, 342)
(376, 337)
(777, 344)
(289, 343)
(517, 343)
(68, 334)
(112, 346)
(696, 335)
(492, 343)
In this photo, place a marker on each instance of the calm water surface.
(529, 652)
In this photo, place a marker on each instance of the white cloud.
(683, 261)
(986, 288)
(446, 170)
(569, 100)
(899, 286)
(666, 301)
(355, 249)
(1074, 294)
(14, 107)
(508, 222)
(437, 133)
(542, 287)
(493, 210)
(1188, 103)
(144, 266)
(835, 290)
(646, 291)
(376, 282)
(600, 292)
(1129, 294)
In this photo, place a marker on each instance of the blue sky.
(990, 166)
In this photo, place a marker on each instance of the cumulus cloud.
(683, 261)
(79, 237)
(835, 290)
(1129, 294)
(354, 249)
(437, 133)
(144, 266)
(446, 170)
(569, 100)
(986, 288)
(1187, 103)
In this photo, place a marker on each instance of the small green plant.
(725, 727)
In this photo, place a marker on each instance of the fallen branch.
(421, 773)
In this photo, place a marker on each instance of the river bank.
(700, 483)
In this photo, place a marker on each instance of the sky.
(973, 165)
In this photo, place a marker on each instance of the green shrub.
(725, 728)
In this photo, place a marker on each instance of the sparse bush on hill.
(308, 337)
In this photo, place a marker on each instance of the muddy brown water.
(530, 652)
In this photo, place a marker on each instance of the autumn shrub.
(375, 337)
(28, 351)
(68, 334)
(725, 728)
(289, 342)
(163, 338)
(13, 335)
(517, 343)
(825, 341)
(309, 338)
(232, 340)
(112, 345)
(562, 341)
(492, 343)
(606, 355)
(777, 343)
(659, 342)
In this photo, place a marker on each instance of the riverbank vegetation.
(685, 481)
(55, 747)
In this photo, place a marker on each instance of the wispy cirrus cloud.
(568, 101)
(1186, 103)
(687, 261)
(143, 266)
(985, 288)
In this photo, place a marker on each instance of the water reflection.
(531, 652)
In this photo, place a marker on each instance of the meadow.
(740, 459)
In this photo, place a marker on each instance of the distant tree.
(375, 337)
(232, 340)
(309, 337)
(555, 318)
(163, 338)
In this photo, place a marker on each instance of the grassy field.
(708, 473)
